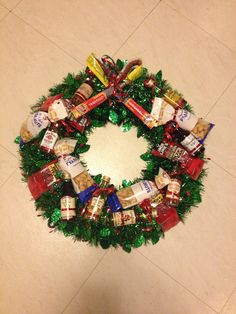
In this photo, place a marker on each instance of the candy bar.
(141, 113)
(92, 103)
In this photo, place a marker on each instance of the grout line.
(234, 289)
(233, 176)
(4, 16)
(51, 41)
(8, 178)
(200, 27)
(6, 149)
(179, 283)
(136, 28)
(76, 293)
(219, 97)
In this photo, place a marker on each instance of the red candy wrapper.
(92, 103)
(141, 113)
(190, 165)
(167, 217)
(43, 180)
(49, 101)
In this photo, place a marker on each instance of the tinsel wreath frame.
(103, 233)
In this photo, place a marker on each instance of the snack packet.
(34, 125)
(164, 112)
(131, 195)
(162, 179)
(43, 180)
(64, 146)
(81, 179)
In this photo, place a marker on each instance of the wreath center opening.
(115, 153)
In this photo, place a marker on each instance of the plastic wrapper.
(166, 216)
(92, 103)
(45, 105)
(131, 195)
(141, 113)
(81, 179)
(34, 125)
(93, 64)
(43, 180)
(162, 179)
(164, 112)
(170, 150)
(58, 110)
(64, 146)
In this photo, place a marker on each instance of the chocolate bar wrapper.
(92, 103)
(93, 64)
(174, 99)
(141, 113)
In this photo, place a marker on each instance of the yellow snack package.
(135, 74)
(97, 70)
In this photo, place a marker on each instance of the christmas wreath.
(87, 206)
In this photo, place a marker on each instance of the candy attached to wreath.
(88, 206)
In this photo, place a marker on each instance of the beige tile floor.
(194, 269)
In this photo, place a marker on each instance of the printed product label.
(96, 206)
(49, 139)
(37, 122)
(89, 104)
(85, 90)
(57, 111)
(141, 113)
(174, 186)
(48, 174)
(186, 119)
(190, 143)
(67, 202)
(72, 165)
(143, 189)
(127, 217)
(162, 179)
(65, 146)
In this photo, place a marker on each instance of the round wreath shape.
(87, 206)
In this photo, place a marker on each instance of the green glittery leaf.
(120, 64)
(105, 232)
(56, 216)
(159, 77)
(139, 242)
(114, 117)
(126, 126)
(83, 149)
(146, 156)
(17, 139)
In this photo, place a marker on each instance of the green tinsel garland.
(103, 233)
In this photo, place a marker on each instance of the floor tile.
(104, 26)
(192, 61)
(126, 283)
(10, 4)
(222, 141)
(40, 271)
(215, 16)
(230, 307)
(8, 164)
(30, 65)
(111, 149)
(3, 12)
(201, 254)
